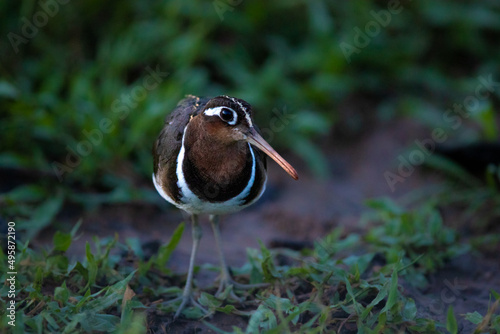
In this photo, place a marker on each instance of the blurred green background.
(68, 67)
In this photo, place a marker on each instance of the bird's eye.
(228, 116)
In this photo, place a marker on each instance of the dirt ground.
(303, 211)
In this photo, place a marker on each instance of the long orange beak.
(255, 139)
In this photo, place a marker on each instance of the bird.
(210, 159)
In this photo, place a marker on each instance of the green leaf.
(112, 295)
(486, 118)
(380, 296)
(26, 193)
(451, 321)
(193, 313)
(95, 322)
(228, 309)
(61, 293)
(61, 241)
(357, 306)
(127, 306)
(43, 215)
(384, 204)
(393, 292)
(474, 317)
(83, 299)
(136, 246)
(37, 283)
(382, 319)
(263, 318)
(75, 228)
(91, 266)
(70, 328)
(49, 318)
(358, 264)
(276, 303)
(165, 251)
(209, 301)
(410, 310)
(57, 264)
(268, 268)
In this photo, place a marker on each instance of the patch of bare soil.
(464, 284)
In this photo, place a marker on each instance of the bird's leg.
(187, 295)
(226, 280)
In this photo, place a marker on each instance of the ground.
(297, 213)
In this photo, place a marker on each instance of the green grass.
(59, 87)
(337, 283)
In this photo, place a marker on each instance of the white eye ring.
(217, 111)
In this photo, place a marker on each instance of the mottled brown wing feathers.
(167, 146)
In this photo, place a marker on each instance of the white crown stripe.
(247, 115)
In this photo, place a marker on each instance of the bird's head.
(230, 120)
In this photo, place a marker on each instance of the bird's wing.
(168, 144)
